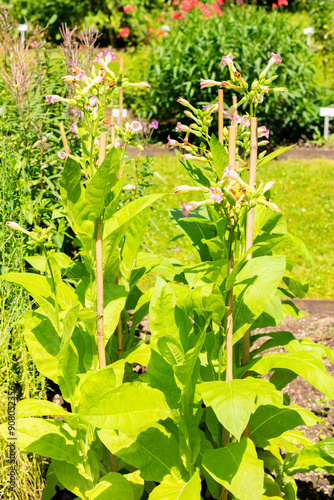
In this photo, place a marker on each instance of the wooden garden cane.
(119, 325)
(232, 136)
(63, 137)
(99, 286)
(120, 104)
(250, 231)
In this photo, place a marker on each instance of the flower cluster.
(253, 94)
(280, 3)
(92, 94)
(207, 9)
(231, 193)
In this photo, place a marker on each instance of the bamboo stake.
(120, 94)
(99, 270)
(234, 100)
(99, 286)
(63, 137)
(112, 130)
(220, 115)
(232, 135)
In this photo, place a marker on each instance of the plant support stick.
(63, 137)
(99, 270)
(220, 116)
(120, 106)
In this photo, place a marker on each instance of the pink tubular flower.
(213, 108)
(124, 32)
(216, 194)
(227, 60)
(188, 207)
(208, 83)
(16, 227)
(192, 157)
(74, 128)
(176, 15)
(171, 142)
(129, 187)
(275, 58)
(259, 97)
(51, 99)
(136, 126)
(154, 124)
(230, 173)
(92, 102)
(105, 57)
(263, 132)
(181, 128)
(34, 44)
(129, 8)
(62, 155)
(245, 121)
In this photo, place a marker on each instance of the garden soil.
(305, 151)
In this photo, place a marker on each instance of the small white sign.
(22, 27)
(308, 31)
(115, 113)
(327, 111)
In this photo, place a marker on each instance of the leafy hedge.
(193, 50)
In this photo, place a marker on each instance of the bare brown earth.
(306, 151)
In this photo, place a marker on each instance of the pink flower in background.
(136, 126)
(80, 114)
(154, 124)
(260, 98)
(213, 107)
(188, 207)
(62, 155)
(124, 32)
(230, 173)
(282, 2)
(216, 194)
(129, 8)
(208, 83)
(245, 121)
(34, 44)
(74, 128)
(171, 142)
(72, 111)
(92, 102)
(159, 19)
(179, 127)
(274, 5)
(176, 15)
(175, 250)
(227, 60)
(263, 132)
(52, 99)
(105, 57)
(175, 2)
(275, 58)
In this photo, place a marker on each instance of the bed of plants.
(201, 421)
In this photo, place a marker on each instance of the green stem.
(54, 287)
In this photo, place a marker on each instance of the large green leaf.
(220, 157)
(256, 285)
(48, 438)
(237, 468)
(171, 489)
(233, 402)
(128, 406)
(313, 457)
(43, 344)
(72, 479)
(68, 362)
(305, 364)
(198, 227)
(114, 299)
(113, 486)
(133, 239)
(101, 184)
(270, 421)
(153, 450)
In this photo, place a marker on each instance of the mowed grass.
(305, 189)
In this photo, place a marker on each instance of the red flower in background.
(188, 5)
(176, 15)
(128, 8)
(275, 6)
(123, 32)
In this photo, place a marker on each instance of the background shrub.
(194, 48)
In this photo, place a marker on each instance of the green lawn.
(307, 201)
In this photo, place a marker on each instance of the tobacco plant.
(201, 422)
